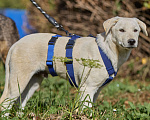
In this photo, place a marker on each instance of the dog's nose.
(131, 41)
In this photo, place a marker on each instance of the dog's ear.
(142, 26)
(109, 23)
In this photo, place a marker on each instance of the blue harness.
(69, 64)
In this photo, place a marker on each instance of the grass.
(18, 4)
(122, 99)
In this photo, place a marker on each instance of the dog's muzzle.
(131, 43)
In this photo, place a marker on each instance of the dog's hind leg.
(4, 102)
(18, 76)
(32, 86)
(17, 90)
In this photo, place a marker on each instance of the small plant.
(89, 63)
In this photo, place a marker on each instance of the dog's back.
(8, 35)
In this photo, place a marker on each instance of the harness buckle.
(52, 41)
(70, 44)
(49, 63)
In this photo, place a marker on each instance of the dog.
(8, 35)
(26, 60)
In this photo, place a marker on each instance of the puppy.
(8, 35)
(26, 60)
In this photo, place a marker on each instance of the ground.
(122, 99)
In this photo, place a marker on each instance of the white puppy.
(26, 60)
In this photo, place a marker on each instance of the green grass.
(2, 77)
(120, 100)
(18, 4)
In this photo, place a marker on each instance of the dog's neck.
(118, 55)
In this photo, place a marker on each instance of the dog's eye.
(135, 30)
(121, 30)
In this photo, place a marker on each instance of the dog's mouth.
(131, 47)
(126, 47)
(122, 45)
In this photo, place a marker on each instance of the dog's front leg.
(87, 95)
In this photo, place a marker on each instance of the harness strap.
(108, 66)
(69, 63)
(50, 54)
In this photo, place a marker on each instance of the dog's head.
(124, 31)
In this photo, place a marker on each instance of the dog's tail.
(7, 70)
